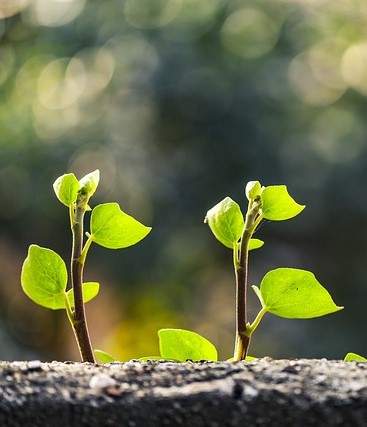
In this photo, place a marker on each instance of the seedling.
(285, 292)
(178, 345)
(354, 357)
(44, 276)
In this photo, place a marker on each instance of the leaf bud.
(88, 185)
(252, 190)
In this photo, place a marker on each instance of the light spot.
(249, 33)
(354, 66)
(147, 14)
(54, 13)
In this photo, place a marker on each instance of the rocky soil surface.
(265, 392)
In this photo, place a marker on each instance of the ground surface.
(261, 393)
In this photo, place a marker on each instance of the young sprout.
(285, 292)
(44, 276)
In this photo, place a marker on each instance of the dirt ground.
(265, 392)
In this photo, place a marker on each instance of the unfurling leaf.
(89, 183)
(180, 345)
(66, 188)
(114, 229)
(252, 190)
(292, 293)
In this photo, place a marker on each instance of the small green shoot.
(284, 292)
(353, 357)
(104, 357)
(44, 275)
(180, 345)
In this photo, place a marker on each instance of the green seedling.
(354, 357)
(177, 345)
(44, 276)
(181, 345)
(285, 292)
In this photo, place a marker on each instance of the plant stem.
(242, 342)
(79, 323)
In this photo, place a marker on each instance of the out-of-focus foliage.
(179, 103)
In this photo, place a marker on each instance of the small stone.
(34, 365)
(101, 382)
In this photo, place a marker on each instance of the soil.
(265, 392)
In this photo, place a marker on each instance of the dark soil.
(261, 393)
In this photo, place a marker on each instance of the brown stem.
(242, 342)
(79, 319)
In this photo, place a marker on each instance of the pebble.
(34, 364)
(101, 382)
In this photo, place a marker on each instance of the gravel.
(264, 392)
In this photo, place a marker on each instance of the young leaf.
(258, 294)
(252, 190)
(292, 293)
(255, 244)
(250, 358)
(44, 277)
(179, 344)
(104, 357)
(225, 220)
(90, 290)
(114, 229)
(353, 357)
(277, 204)
(66, 188)
(89, 183)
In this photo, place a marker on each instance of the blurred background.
(179, 103)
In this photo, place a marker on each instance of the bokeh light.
(179, 103)
(53, 13)
(11, 7)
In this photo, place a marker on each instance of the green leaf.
(225, 220)
(179, 344)
(255, 244)
(66, 188)
(353, 357)
(114, 229)
(44, 277)
(103, 356)
(293, 293)
(90, 290)
(250, 358)
(277, 204)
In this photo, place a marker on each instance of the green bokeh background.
(179, 103)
